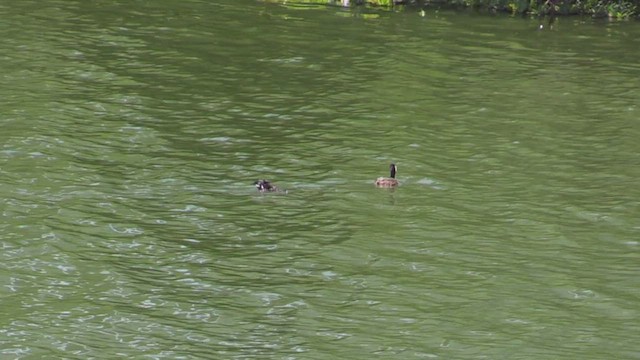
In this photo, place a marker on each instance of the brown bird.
(390, 181)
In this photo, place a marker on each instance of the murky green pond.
(132, 133)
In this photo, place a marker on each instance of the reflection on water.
(133, 135)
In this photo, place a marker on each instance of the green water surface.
(132, 133)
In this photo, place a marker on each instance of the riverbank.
(613, 9)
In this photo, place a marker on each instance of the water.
(133, 132)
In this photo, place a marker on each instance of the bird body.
(265, 186)
(391, 180)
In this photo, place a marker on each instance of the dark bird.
(265, 186)
(391, 180)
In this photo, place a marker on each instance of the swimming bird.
(265, 186)
(390, 181)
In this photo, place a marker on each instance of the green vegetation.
(614, 9)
